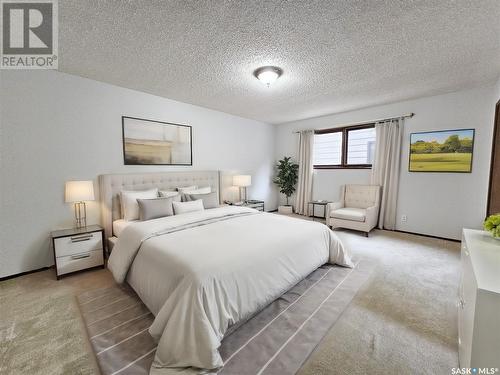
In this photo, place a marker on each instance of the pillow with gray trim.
(128, 201)
(185, 207)
(210, 200)
(170, 194)
(199, 190)
(155, 208)
(183, 189)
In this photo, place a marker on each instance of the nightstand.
(252, 203)
(318, 203)
(78, 249)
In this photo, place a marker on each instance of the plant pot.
(285, 210)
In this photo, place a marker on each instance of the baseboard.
(24, 273)
(427, 235)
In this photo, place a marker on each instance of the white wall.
(437, 204)
(57, 127)
(497, 90)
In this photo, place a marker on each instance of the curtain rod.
(407, 115)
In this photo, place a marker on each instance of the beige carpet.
(41, 329)
(403, 321)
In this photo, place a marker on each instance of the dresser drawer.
(77, 262)
(466, 308)
(77, 244)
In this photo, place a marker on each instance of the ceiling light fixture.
(268, 74)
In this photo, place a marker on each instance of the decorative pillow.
(202, 190)
(128, 199)
(210, 200)
(154, 208)
(185, 207)
(186, 188)
(171, 194)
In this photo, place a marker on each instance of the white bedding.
(120, 225)
(200, 273)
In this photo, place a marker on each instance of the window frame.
(345, 139)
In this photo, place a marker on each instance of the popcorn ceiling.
(336, 55)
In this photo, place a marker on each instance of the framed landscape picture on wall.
(442, 151)
(149, 142)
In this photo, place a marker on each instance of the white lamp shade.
(242, 180)
(78, 191)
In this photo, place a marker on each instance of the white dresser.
(479, 301)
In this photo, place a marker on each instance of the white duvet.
(202, 272)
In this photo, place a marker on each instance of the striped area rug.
(277, 340)
(117, 324)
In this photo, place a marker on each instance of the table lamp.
(78, 192)
(242, 181)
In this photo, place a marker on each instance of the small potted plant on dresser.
(286, 179)
(492, 225)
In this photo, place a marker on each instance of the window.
(328, 149)
(348, 147)
(360, 146)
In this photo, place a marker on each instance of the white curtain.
(385, 171)
(304, 186)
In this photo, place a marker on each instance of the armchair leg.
(366, 234)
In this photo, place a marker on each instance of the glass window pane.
(360, 146)
(328, 149)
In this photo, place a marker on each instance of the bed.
(203, 273)
(110, 186)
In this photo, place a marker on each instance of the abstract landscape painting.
(442, 151)
(148, 142)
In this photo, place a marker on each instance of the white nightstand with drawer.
(78, 249)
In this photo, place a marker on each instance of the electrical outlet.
(404, 218)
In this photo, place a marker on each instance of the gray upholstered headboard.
(110, 186)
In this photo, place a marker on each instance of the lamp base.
(80, 215)
(245, 194)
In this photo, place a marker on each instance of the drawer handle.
(86, 237)
(461, 303)
(80, 256)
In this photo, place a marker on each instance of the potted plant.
(286, 179)
(492, 225)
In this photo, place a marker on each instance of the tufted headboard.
(110, 186)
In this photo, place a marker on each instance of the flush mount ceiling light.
(268, 74)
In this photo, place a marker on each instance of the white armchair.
(357, 209)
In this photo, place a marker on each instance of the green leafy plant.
(492, 225)
(286, 179)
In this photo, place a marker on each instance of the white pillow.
(185, 207)
(168, 193)
(186, 188)
(130, 207)
(202, 190)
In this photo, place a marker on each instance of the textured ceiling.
(336, 55)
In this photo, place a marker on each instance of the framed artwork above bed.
(150, 142)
